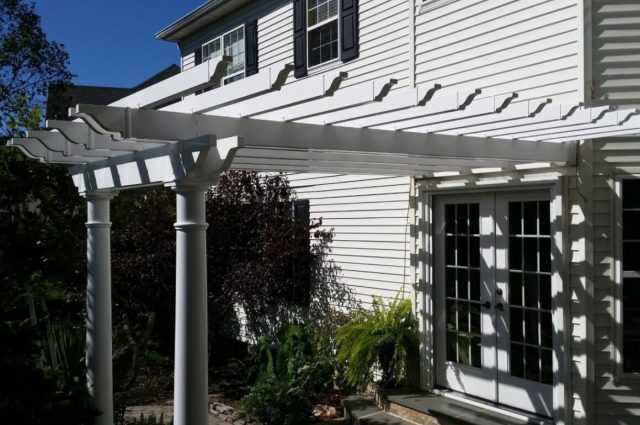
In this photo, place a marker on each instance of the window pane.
(531, 290)
(463, 251)
(631, 194)
(515, 253)
(211, 50)
(517, 363)
(474, 251)
(449, 218)
(545, 220)
(545, 255)
(631, 320)
(476, 351)
(532, 358)
(545, 292)
(530, 254)
(461, 219)
(463, 284)
(515, 325)
(234, 47)
(515, 289)
(530, 218)
(515, 216)
(630, 259)
(323, 43)
(531, 327)
(474, 218)
(474, 282)
(313, 17)
(547, 367)
(631, 220)
(450, 279)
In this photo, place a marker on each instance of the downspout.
(412, 43)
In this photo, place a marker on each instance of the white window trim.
(221, 38)
(620, 374)
(318, 25)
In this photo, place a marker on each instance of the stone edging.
(227, 414)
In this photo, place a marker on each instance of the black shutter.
(198, 56)
(299, 38)
(349, 48)
(251, 47)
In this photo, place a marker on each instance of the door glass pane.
(530, 324)
(630, 279)
(462, 279)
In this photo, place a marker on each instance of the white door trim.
(559, 190)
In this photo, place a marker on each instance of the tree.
(29, 65)
(259, 257)
(40, 235)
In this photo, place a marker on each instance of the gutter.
(167, 32)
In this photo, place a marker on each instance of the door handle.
(486, 304)
(500, 307)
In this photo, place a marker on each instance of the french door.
(493, 303)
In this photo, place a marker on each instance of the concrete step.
(361, 410)
(431, 409)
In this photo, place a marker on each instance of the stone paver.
(165, 409)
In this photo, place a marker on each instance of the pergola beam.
(150, 124)
(80, 133)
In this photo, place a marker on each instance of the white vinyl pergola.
(167, 135)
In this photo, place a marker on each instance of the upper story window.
(229, 44)
(323, 31)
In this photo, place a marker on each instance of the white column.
(99, 346)
(191, 360)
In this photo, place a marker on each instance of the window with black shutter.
(324, 31)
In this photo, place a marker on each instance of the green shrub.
(292, 366)
(274, 401)
(383, 337)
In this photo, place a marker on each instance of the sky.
(111, 42)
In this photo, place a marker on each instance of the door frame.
(558, 189)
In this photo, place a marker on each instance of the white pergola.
(167, 135)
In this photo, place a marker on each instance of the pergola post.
(98, 321)
(191, 359)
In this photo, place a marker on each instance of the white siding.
(188, 61)
(529, 47)
(275, 37)
(370, 219)
(616, 51)
(384, 42)
(616, 401)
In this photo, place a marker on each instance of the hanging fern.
(382, 337)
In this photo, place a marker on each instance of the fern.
(382, 337)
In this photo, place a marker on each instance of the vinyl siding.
(616, 51)
(370, 219)
(578, 287)
(529, 47)
(617, 401)
(384, 42)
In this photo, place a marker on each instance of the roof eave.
(175, 31)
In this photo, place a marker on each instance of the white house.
(479, 154)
